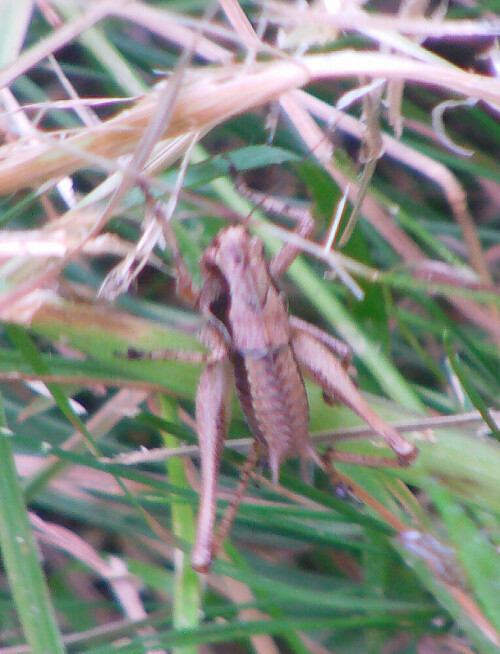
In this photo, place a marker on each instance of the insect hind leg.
(232, 509)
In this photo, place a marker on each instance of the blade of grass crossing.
(292, 638)
(445, 595)
(187, 590)
(13, 27)
(105, 53)
(375, 573)
(22, 561)
(472, 394)
(238, 630)
(22, 340)
(479, 559)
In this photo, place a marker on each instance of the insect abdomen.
(273, 398)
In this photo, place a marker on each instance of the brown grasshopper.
(255, 342)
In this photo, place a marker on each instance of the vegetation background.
(391, 107)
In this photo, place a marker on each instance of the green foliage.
(402, 554)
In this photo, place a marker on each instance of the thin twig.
(243, 445)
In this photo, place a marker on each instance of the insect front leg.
(322, 365)
(213, 403)
(305, 223)
(185, 287)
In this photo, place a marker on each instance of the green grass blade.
(187, 589)
(105, 53)
(480, 561)
(237, 630)
(442, 591)
(21, 559)
(472, 394)
(13, 26)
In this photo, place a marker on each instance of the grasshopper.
(256, 346)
